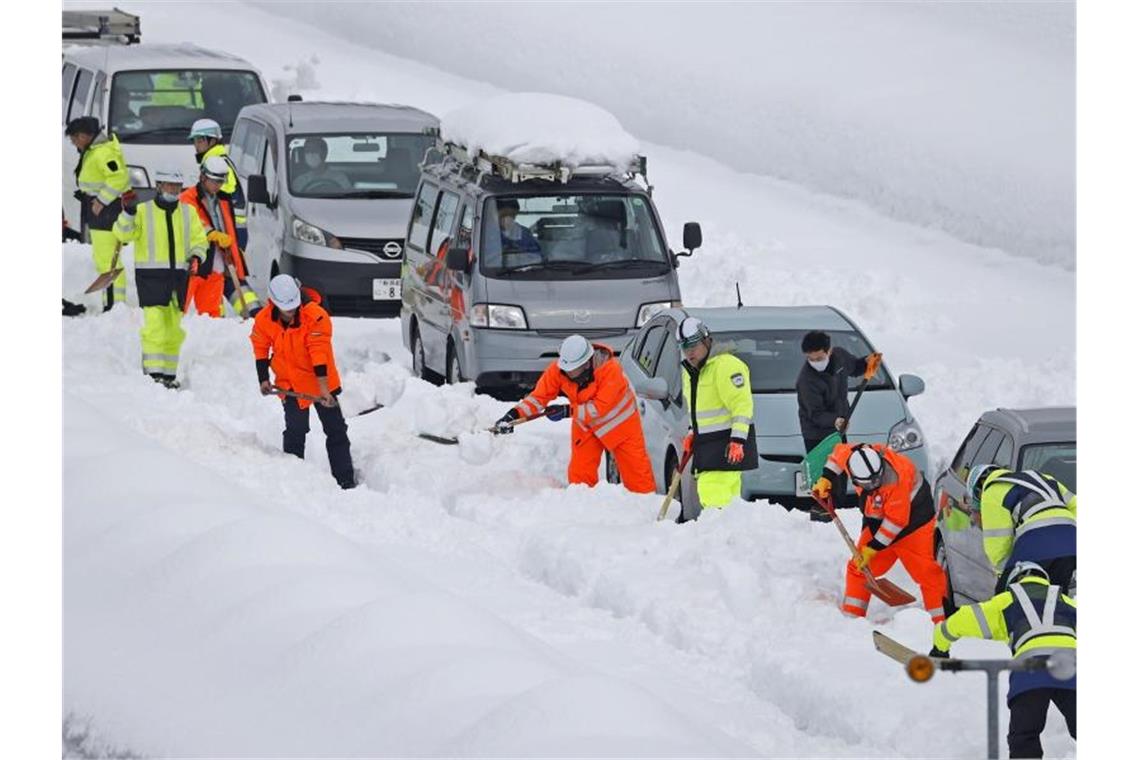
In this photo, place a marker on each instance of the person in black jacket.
(821, 390)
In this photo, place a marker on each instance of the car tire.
(612, 474)
(940, 556)
(419, 360)
(454, 371)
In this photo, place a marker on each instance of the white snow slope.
(222, 598)
(959, 116)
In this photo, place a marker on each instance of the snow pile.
(537, 128)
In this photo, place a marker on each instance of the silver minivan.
(329, 187)
(504, 261)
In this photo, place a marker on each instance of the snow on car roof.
(540, 128)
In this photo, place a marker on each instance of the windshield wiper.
(148, 132)
(374, 194)
(562, 266)
(619, 264)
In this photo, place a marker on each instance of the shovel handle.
(851, 409)
(674, 485)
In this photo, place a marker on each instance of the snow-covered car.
(527, 231)
(149, 95)
(339, 225)
(767, 339)
(1043, 439)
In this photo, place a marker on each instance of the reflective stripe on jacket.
(1016, 503)
(165, 237)
(889, 511)
(719, 399)
(606, 408)
(1033, 617)
(297, 352)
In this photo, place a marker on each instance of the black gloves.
(557, 412)
(79, 195)
(505, 424)
(936, 652)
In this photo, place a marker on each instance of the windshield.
(774, 357)
(356, 165)
(571, 236)
(1056, 459)
(158, 107)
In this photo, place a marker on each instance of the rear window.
(1056, 459)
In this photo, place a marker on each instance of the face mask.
(169, 197)
(312, 160)
(820, 365)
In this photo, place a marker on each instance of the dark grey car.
(1021, 439)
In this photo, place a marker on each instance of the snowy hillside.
(222, 598)
(959, 116)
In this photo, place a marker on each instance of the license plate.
(386, 289)
(801, 485)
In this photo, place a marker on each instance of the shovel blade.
(886, 590)
(103, 281)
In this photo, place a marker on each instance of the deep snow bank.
(953, 115)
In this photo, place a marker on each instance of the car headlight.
(905, 436)
(650, 310)
(313, 235)
(498, 316)
(137, 176)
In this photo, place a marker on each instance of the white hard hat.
(1023, 568)
(691, 331)
(865, 466)
(205, 128)
(216, 168)
(284, 292)
(168, 175)
(575, 352)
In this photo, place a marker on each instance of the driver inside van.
(315, 172)
(515, 237)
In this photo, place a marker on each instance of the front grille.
(376, 245)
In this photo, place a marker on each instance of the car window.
(444, 221)
(987, 450)
(965, 455)
(669, 362)
(1004, 455)
(79, 97)
(269, 163)
(252, 145)
(1056, 459)
(650, 348)
(97, 96)
(235, 148)
(68, 82)
(421, 216)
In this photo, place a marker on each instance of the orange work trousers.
(916, 552)
(629, 455)
(210, 294)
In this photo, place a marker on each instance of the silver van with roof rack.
(504, 260)
(329, 187)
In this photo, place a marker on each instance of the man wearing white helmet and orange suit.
(215, 209)
(206, 134)
(168, 240)
(603, 408)
(898, 522)
(718, 391)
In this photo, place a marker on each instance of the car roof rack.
(485, 165)
(101, 27)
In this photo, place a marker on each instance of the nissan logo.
(581, 317)
(392, 249)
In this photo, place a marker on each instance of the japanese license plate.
(386, 289)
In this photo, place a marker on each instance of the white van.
(149, 96)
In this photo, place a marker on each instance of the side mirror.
(457, 259)
(691, 237)
(655, 388)
(257, 191)
(911, 385)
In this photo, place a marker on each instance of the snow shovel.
(317, 399)
(449, 441)
(103, 281)
(231, 270)
(674, 484)
(880, 587)
(817, 457)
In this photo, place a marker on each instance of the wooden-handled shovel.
(674, 484)
(880, 587)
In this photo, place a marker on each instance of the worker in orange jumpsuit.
(216, 210)
(898, 522)
(604, 411)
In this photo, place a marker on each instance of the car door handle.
(641, 406)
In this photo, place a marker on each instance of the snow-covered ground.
(224, 599)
